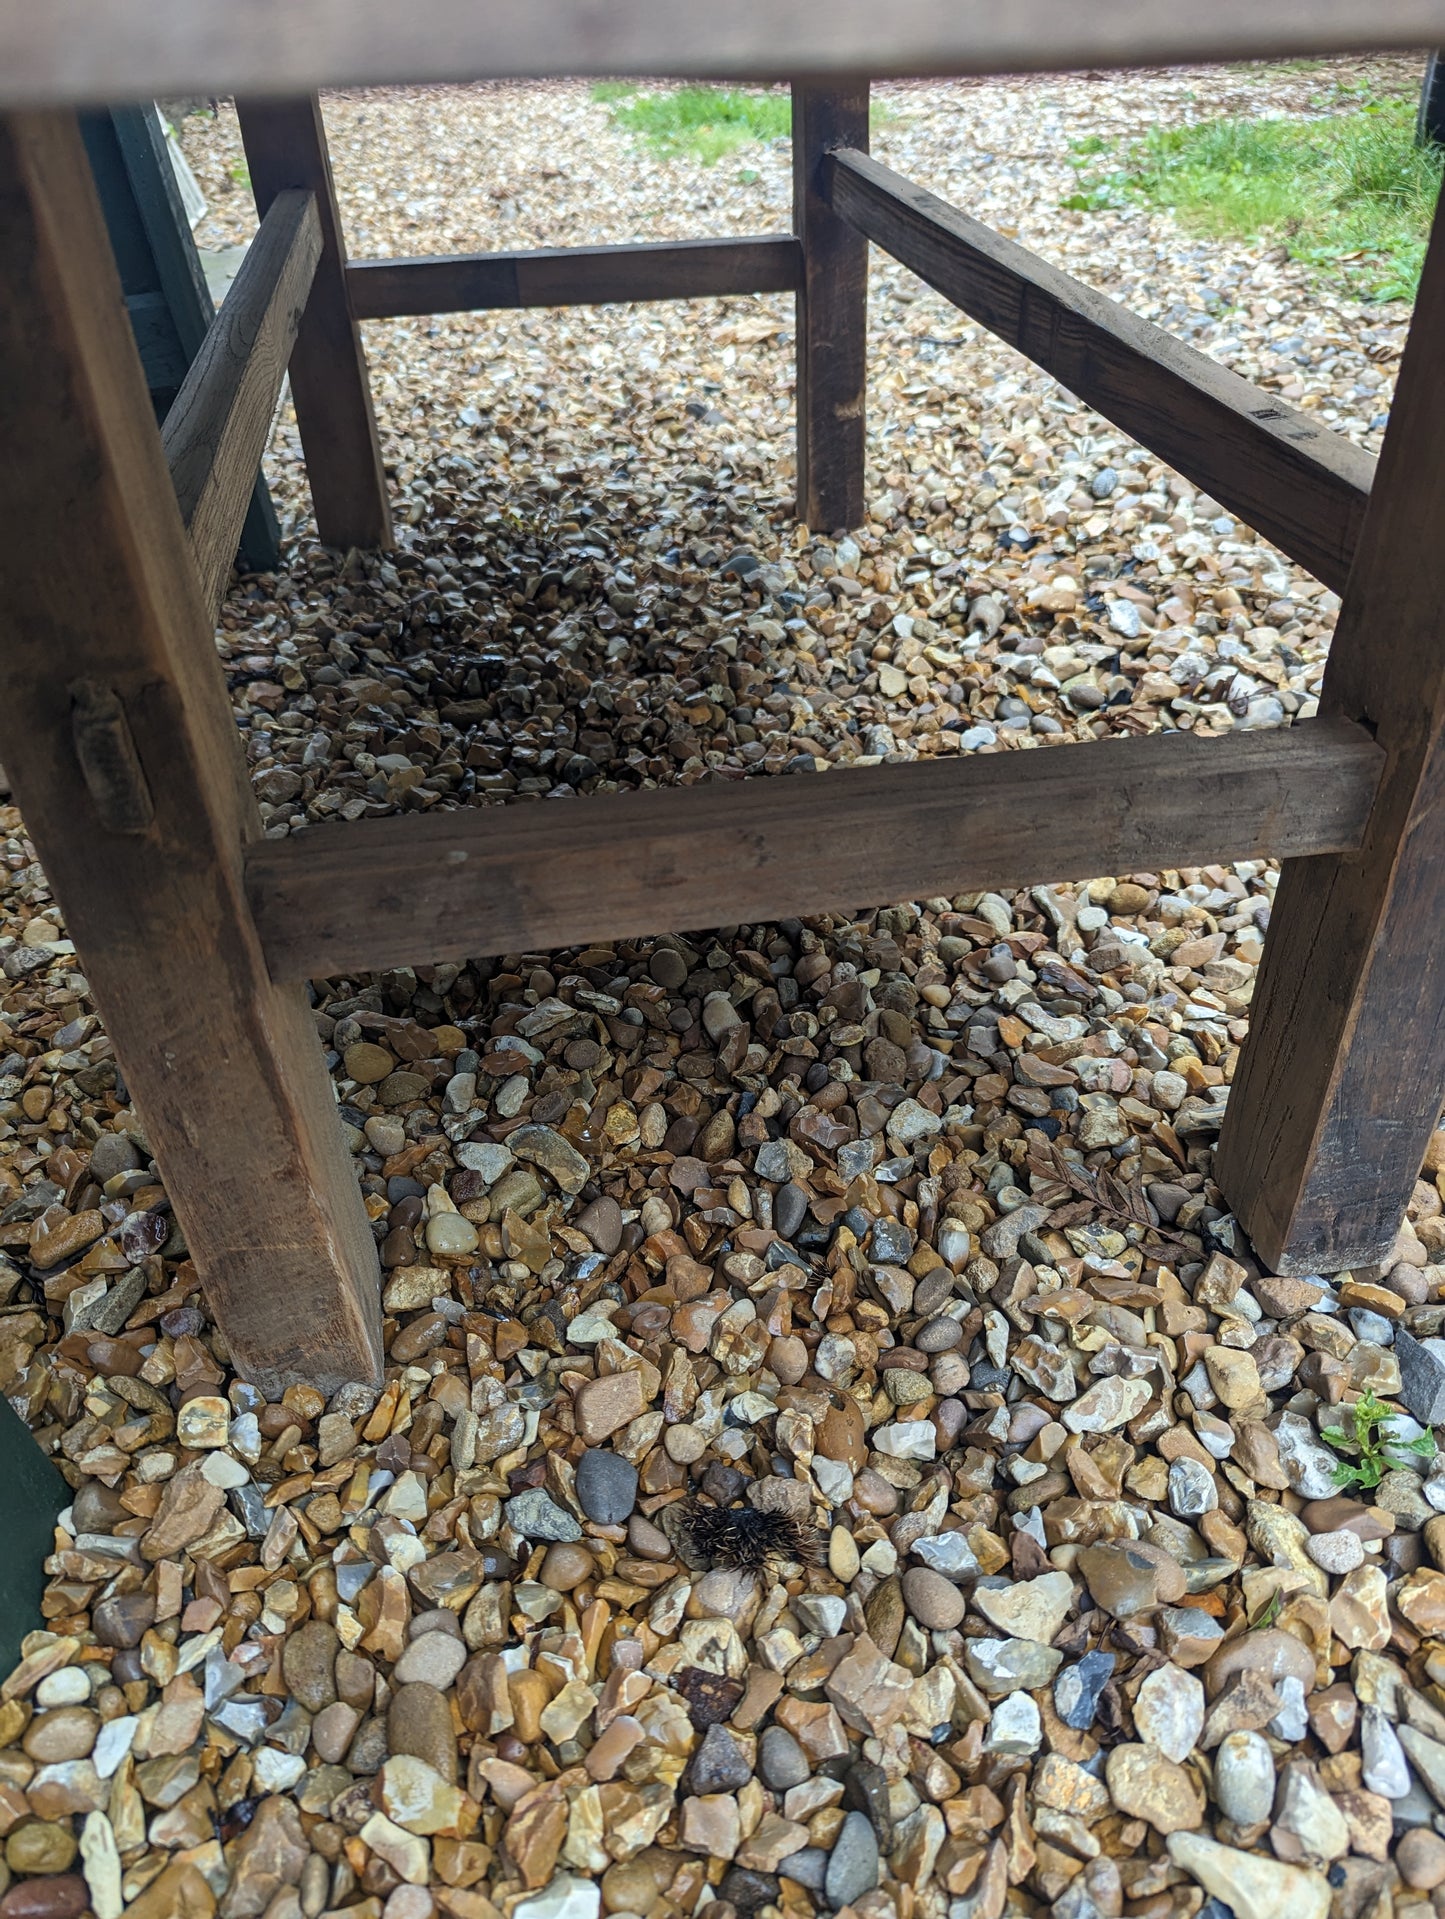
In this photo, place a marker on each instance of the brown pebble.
(601, 1221)
(530, 1696)
(66, 1733)
(873, 1494)
(419, 1721)
(935, 1602)
(646, 1540)
(564, 1567)
(788, 1358)
(41, 1846)
(1420, 1856)
(65, 1896)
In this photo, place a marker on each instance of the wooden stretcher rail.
(530, 877)
(574, 276)
(73, 50)
(1293, 481)
(216, 430)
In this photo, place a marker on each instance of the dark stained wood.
(1294, 481)
(286, 147)
(832, 312)
(574, 276)
(136, 49)
(117, 734)
(1341, 1078)
(217, 429)
(524, 878)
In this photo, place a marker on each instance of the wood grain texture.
(574, 276)
(1341, 1078)
(137, 49)
(525, 878)
(218, 426)
(1289, 478)
(286, 147)
(104, 638)
(832, 383)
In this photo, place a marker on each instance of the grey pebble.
(782, 1763)
(790, 1209)
(853, 1862)
(536, 1515)
(606, 1488)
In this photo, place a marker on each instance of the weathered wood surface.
(286, 147)
(1289, 478)
(832, 330)
(1341, 1078)
(218, 426)
(137, 49)
(574, 276)
(118, 736)
(525, 878)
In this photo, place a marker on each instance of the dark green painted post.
(166, 295)
(32, 1492)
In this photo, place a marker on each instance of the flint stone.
(1422, 1376)
(1384, 1768)
(1000, 1666)
(536, 1516)
(853, 1862)
(1250, 1884)
(1077, 1689)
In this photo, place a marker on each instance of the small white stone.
(276, 1771)
(833, 1479)
(113, 1742)
(881, 1558)
(1169, 1712)
(566, 1897)
(1015, 1726)
(101, 1864)
(1338, 1552)
(222, 1469)
(907, 1439)
(68, 1687)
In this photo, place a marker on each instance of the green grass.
(1346, 191)
(703, 122)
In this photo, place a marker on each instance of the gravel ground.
(837, 1453)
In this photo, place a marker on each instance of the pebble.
(1336, 1553)
(432, 1659)
(1145, 1785)
(1169, 1712)
(1420, 1857)
(1078, 1687)
(1244, 1782)
(935, 1602)
(782, 1763)
(1249, 1884)
(1383, 1764)
(1014, 1726)
(1132, 1579)
(419, 1721)
(308, 1661)
(537, 1516)
(1002, 1666)
(853, 1862)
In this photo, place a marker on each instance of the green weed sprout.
(1377, 1452)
